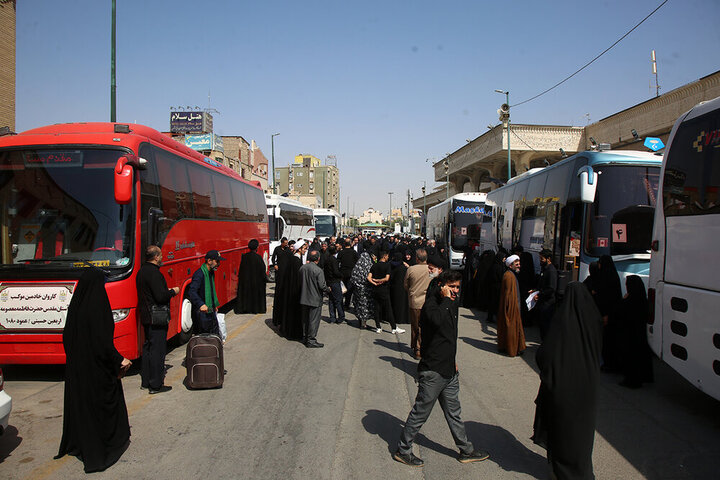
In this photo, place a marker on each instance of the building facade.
(371, 216)
(7, 60)
(307, 176)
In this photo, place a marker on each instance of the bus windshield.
(620, 221)
(324, 225)
(467, 218)
(59, 209)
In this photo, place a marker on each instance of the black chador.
(251, 284)
(286, 307)
(569, 361)
(95, 419)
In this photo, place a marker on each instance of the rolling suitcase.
(204, 361)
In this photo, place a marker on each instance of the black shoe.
(164, 388)
(314, 345)
(474, 456)
(143, 387)
(408, 459)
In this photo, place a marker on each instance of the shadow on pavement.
(389, 427)
(395, 346)
(35, 373)
(481, 344)
(505, 450)
(9, 441)
(410, 368)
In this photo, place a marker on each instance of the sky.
(386, 86)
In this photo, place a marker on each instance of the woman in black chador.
(286, 307)
(633, 314)
(567, 400)
(608, 297)
(251, 282)
(95, 419)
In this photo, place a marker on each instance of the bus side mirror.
(588, 184)
(123, 181)
(155, 218)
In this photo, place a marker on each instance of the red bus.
(74, 195)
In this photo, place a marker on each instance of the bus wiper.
(85, 262)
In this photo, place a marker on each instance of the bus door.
(568, 245)
(506, 229)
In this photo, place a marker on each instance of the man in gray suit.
(311, 298)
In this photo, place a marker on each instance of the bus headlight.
(120, 314)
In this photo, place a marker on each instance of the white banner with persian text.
(34, 307)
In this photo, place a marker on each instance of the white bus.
(591, 204)
(684, 330)
(457, 222)
(327, 223)
(288, 218)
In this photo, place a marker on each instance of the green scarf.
(211, 299)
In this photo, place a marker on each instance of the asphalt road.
(288, 412)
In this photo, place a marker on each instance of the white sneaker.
(398, 330)
(378, 330)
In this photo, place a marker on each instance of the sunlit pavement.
(290, 412)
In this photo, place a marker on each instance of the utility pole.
(422, 224)
(390, 214)
(504, 113)
(272, 146)
(113, 116)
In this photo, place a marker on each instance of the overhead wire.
(593, 60)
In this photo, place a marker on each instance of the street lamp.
(504, 113)
(390, 214)
(272, 146)
(424, 205)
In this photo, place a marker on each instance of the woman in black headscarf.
(609, 294)
(398, 294)
(288, 300)
(362, 289)
(251, 282)
(567, 400)
(95, 419)
(633, 314)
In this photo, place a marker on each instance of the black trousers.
(383, 310)
(153, 357)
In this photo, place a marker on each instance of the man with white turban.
(510, 333)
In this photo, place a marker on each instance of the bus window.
(202, 193)
(224, 197)
(255, 201)
(692, 175)
(240, 203)
(175, 190)
(149, 192)
(620, 219)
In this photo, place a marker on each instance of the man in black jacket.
(547, 288)
(153, 290)
(437, 373)
(333, 277)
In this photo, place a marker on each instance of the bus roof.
(104, 133)
(606, 157)
(274, 199)
(325, 211)
(465, 197)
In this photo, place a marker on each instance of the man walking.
(203, 296)
(153, 290)
(545, 296)
(417, 280)
(311, 298)
(438, 374)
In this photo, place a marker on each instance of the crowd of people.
(392, 280)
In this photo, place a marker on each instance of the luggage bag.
(204, 361)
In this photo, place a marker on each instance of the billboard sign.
(208, 141)
(191, 122)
